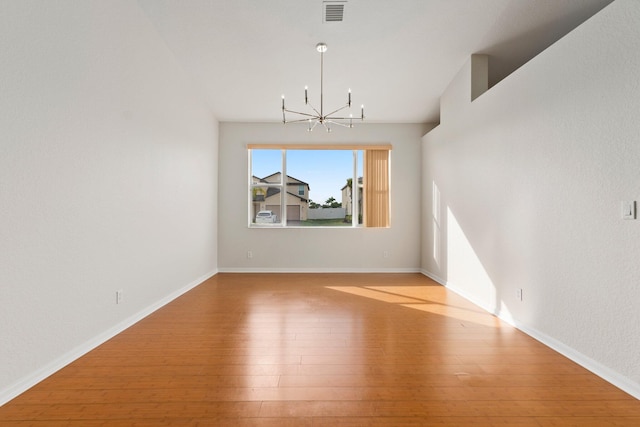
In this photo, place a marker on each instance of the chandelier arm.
(303, 114)
(361, 117)
(335, 111)
(314, 109)
(302, 120)
(340, 124)
(342, 118)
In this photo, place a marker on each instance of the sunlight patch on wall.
(465, 271)
(435, 214)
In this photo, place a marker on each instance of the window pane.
(325, 172)
(321, 188)
(267, 165)
(265, 205)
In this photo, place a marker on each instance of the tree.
(259, 192)
(331, 203)
(313, 205)
(350, 185)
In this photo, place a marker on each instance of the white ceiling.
(397, 56)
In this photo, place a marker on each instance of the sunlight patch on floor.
(429, 299)
(478, 318)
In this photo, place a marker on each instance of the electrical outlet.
(118, 296)
(519, 294)
(249, 254)
(386, 254)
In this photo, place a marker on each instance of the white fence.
(326, 213)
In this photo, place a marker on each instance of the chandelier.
(315, 117)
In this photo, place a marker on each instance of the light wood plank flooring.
(322, 350)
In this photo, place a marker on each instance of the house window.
(318, 186)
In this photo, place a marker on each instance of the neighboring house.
(268, 198)
(347, 199)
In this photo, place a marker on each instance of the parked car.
(266, 217)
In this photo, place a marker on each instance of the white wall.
(522, 189)
(108, 180)
(319, 249)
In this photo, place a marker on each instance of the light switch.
(629, 210)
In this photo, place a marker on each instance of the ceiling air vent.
(333, 11)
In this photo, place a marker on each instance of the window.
(319, 186)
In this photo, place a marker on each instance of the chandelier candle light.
(318, 117)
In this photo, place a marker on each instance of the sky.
(326, 171)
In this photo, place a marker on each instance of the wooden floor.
(322, 350)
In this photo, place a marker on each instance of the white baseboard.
(29, 381)
(607, 374)
(22, 385)
(434, 277)
(318, 270)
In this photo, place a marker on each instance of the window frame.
(282, 185)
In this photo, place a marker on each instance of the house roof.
(272, 191)
(289, 177)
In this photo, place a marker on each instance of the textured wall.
(107, 179)
(320, 249)
(522, 189)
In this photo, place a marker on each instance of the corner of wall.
(479, 75)
(471, 81)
